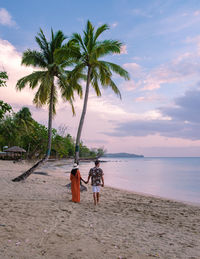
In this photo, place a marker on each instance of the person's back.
(96, 176)
(97, 180)
(75, 178)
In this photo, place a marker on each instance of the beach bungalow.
(14, 152)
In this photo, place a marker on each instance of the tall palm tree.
(98, 71)
(52, 68)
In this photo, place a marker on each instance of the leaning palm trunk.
(78, 137)
(46, 157)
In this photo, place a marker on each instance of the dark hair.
(74, 171)
(97, 162)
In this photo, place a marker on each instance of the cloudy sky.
(159, 111)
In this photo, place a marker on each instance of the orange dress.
(75, 186)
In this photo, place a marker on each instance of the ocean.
(171, 178)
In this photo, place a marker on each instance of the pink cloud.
(123, 49)
(114, 24)
(197, 13)
(129, 85)
(134, 69)
(10, 60)
(6, 18)
(181, 69)
(149, 98)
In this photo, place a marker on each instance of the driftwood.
(30, 171)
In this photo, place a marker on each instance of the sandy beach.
(38, 220)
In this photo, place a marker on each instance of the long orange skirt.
(75, 186)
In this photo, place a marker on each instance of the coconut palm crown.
(99, 72)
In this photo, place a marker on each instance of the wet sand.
(38, 220)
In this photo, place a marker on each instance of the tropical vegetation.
(20, 129)
(3, 78)
(4, 107)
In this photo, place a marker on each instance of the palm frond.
(94, 82)
(44, 44)
(117, 69)
(115, 88)
(37, 100)
(59, 39)
(100, 30)
(68, 54)
(88, 38)
(56, 42)
(104, 75)
(67, 91)
(33, 58)
(107, 47)
(68, 85)
(76, 37)
(72, 106)
(43, 93)
(65, 87)
(77, 71)
(32, 80)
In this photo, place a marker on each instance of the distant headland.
(126, 155)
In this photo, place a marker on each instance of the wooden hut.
(15, 152)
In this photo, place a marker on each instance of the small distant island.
(126, 155)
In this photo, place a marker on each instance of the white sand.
(38, 220)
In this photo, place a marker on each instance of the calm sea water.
(173, 178)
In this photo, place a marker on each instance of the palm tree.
(52, 68)
(99, 72)
(24, 120)
(3, 78)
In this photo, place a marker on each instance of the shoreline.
(148, 195)
(44, 223)
(68, 161)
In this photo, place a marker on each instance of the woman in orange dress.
(75, 178)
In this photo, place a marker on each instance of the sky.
(159, 111)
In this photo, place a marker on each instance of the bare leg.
(97, 197)
(94, 196)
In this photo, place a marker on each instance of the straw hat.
(75, 166)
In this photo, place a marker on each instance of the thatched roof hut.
(15, 149)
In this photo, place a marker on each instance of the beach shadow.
(41, 173)
(82, 187)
